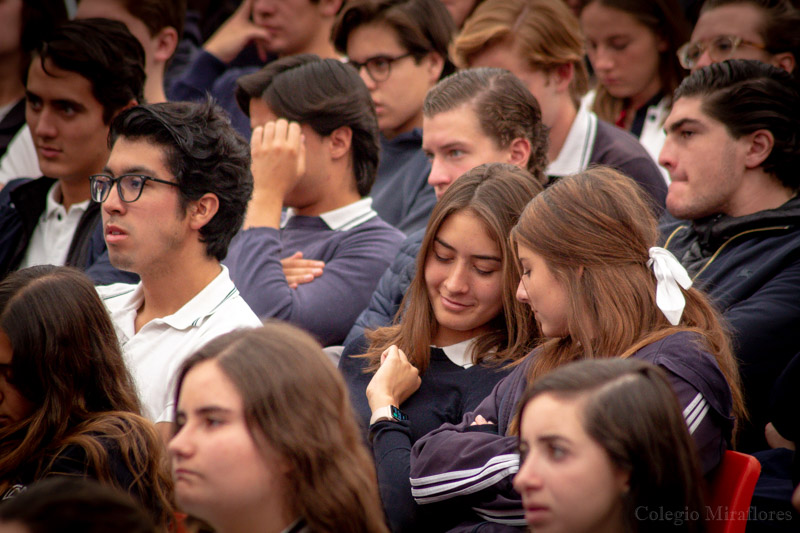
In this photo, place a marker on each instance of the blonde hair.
(543, 32)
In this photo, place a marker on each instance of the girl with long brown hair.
(266, 441)
(68, 406)
(458, 325)
(599, 288)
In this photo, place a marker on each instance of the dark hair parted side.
(505, 108)
(746, 96)
(325, 94)
(158, 14)
(779, 24)
(665, 19)
(631, 411)
(496, 194)
(421, 26)
(296, 400)
(204, 153)
(67, 362)
(70, 504)
(594, 230)
(105, 53)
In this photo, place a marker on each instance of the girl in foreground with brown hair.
(266, 440)
(68, 406)
(599, 289)
(603, 447)
(458, 324)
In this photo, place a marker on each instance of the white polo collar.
(343, 218)
(53, 207)
(577, 150)
(460, 353)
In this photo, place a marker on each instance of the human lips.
(114, 234)
(183, 474)
(454, 305)
(48, 152)
(535, 513)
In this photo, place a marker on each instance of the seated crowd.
(553, 248)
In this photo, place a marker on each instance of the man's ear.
(784, 60)
(435, 67)
(519, 152)
(340, 141)
(201, 211)
(166, 42)
(761, 144)
(562, 76)
(329, 8)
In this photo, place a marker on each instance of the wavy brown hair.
(631, 411)
(496, 194)
(545, 33)
(296, 401)
(594, 230)
(68, 364)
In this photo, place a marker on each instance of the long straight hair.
(664, 18)
(496, 194)
(594, 230)
(296, 401)
(631, 411)
(67, 362)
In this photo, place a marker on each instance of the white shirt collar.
(343, 218)
(202, 305)
(577, 150)
(460, 353)
(53, 207)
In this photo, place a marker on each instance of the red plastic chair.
(730, 492)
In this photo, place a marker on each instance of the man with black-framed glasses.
(81, 76)
(173, 193)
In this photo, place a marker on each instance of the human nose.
(439, 178)
(457, 279)
(603, 59)
(113, 203)
(703, 61)
(528, 477)
(181, 444)
(666, 158)
(45, 124)
(366, 78)
(522, 293)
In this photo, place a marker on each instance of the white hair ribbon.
(669, 274)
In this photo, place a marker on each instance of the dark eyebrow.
(681, 123)
(212, 409)
(133, 170)
(483, 257)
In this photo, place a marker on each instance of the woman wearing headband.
(598, 289)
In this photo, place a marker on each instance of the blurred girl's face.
(13, 405)
(567, 480)
(546, 295)
(624, 53)
(221, 473)
(464, 277)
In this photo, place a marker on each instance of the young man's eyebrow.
(681, 123)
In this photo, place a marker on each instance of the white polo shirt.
(155, 353)
(53, 234)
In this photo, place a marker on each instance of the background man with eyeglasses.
(744, 29)
(80, 77)
(174, 193)
(400, 50)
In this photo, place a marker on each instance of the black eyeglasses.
(129, 186)
(379, 68)
(719, 49)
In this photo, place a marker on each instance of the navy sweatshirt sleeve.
(328, 306)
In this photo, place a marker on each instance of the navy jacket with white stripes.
(475, 465)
